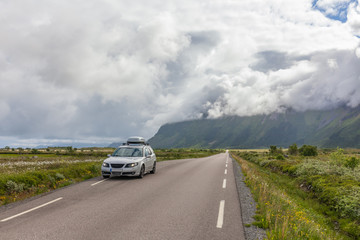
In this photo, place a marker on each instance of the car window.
(128, 152)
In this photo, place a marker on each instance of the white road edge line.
(220, 219)
(225, 171)
(226, 165)
(224, 184)
(30, 210)
(98, 182)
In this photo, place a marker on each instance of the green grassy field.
(299, 197)
(28, 172)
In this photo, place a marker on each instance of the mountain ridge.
(338, 127)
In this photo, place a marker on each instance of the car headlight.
(105, 164)
(130, 165)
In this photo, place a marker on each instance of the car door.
(152, 158)
(148, 162)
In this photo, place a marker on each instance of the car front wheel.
(142, 172)
(153, 169)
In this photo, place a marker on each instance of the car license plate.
(116, 173)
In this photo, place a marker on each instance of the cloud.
(354, 18)
(335, 9)
(102, 70)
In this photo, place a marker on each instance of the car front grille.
(116, 165)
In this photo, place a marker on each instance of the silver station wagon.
(135, 158)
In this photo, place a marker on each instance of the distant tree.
(273, 150)
(308, 150)
(70, 149)
(34, 151)
(293, 149)
(7, 148)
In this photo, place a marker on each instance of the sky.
(98, 71)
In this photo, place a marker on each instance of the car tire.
(153, 171)
(142, 171)
(105, 176)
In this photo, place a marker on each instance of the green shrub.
(308, 150)
(273, 150)
(59, 176)
(34, 151)
(311, 167)
(13, 187)
(351, 227)
(293, 149)
(352, 163)
(51, 180)
(338, 158)
(347, 202)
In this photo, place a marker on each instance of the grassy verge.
(14, 187)
(284, 208)
(25, 174)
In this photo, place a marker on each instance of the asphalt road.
(185, 199)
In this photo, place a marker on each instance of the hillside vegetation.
(305, 197)
(334, 128)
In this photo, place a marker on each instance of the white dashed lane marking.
(98, 182)
(224, 184)
(30, 210)
(220, 219)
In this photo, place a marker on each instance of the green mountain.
(333, 128)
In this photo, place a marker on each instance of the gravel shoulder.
(247, 205)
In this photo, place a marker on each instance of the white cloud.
(354, 18)
(109, 69)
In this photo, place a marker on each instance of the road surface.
(185, 199)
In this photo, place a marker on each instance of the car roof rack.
(136, 141)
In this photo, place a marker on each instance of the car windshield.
(128, 152)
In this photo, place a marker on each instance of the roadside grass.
(25, 184)
(24, 174)
(304, 198)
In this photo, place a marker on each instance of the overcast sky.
(99, 71)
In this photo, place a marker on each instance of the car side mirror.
(109, 155)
